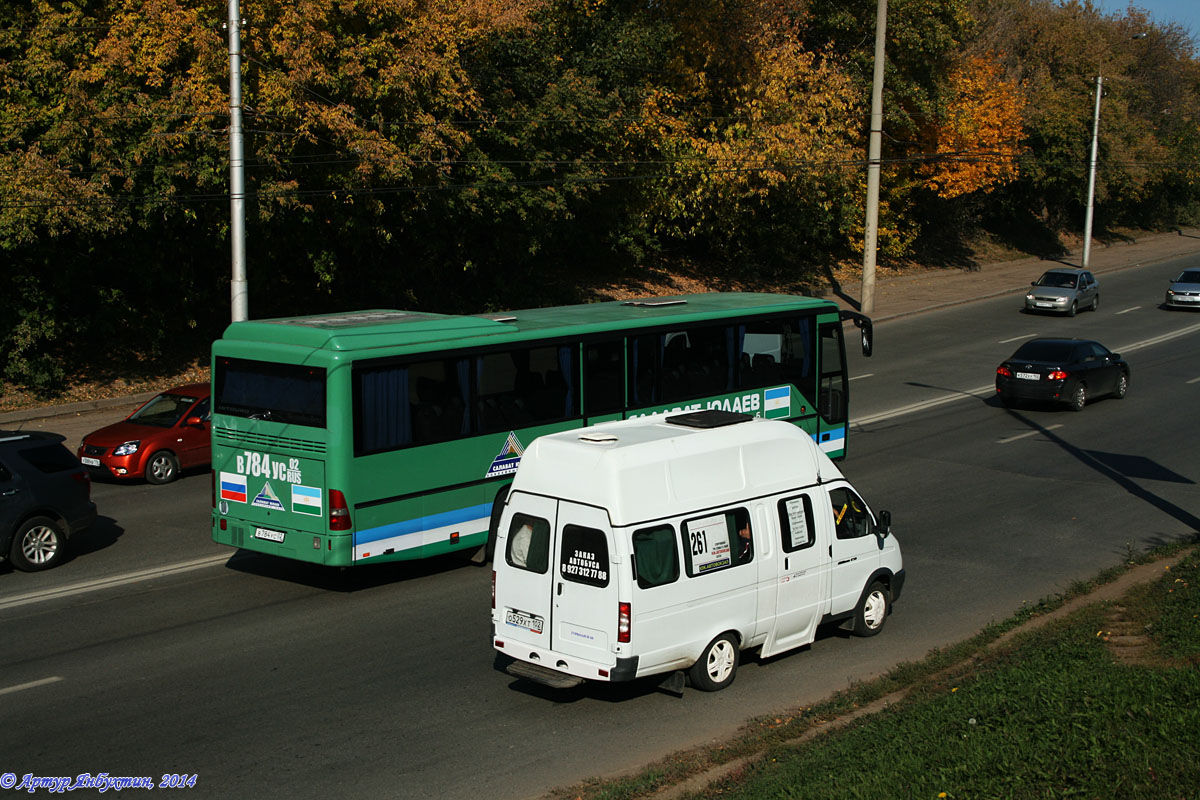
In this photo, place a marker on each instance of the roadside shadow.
(343, 579)
(1120, 468)
(611, 693)
(837, 290)
(101, 535)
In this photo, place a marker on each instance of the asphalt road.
(272, 679)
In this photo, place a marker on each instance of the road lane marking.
(868, 375)
(1194, 380)
(1027, 434)
(1166, 337)
(31, 685)
(1126, 311)
(980, 391)
(1017, 338)
(112, 581)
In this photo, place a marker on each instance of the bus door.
(832, 411)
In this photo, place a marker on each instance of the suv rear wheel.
(39, 544)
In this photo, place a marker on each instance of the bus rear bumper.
(314, 548)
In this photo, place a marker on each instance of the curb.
(27, 414)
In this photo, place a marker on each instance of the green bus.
(383, 435)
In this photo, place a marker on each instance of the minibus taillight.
(339, 512)
(624, 622)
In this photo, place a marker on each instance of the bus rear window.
(264, 390)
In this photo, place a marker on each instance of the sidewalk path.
(898, 296)
(903, 295)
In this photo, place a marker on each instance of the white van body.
(618, 552)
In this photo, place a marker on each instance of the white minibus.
(667, 544)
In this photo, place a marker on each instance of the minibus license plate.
(530, 622)
(1029, 376)
(269, 535)
(90, 462)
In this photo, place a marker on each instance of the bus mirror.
(865, 326)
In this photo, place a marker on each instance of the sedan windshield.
(1044, 351)
(163, 411)
(1058, 279)
(1189, 276)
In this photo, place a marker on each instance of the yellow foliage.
(978, 140)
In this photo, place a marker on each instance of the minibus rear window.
(584, 555)
(655, 557)
(529, 543)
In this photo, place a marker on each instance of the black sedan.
(1062, 371)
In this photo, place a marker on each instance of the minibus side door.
(584, 585)
(524, 592)
(804, 575)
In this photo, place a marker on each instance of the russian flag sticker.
(233, 487)
(306, 499)
(777, 402)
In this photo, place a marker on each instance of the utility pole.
(874, 146)
(1087, 218)
(237, 190)
(1091, 201)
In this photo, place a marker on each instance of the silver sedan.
(1184, 291)
(1064, 291)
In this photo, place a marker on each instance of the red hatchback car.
(166, 435)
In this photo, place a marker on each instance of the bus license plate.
(90, 462)
(519, 619)
(1029, 376)
(269, 535)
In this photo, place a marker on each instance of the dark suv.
(45, 497)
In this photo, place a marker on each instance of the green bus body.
(387, 435)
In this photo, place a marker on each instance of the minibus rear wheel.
(872, 611)
(717, 665)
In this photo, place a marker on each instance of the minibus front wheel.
(872, 610)
(717, 666)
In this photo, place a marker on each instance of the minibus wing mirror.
(885, 523)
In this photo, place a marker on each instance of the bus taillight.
(624, 622)
(339, 512)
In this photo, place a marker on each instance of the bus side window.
(603, 377)
(644, 369)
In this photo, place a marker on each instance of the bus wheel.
(872, 610)
(717, 666)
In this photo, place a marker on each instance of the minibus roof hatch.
(714, 418)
